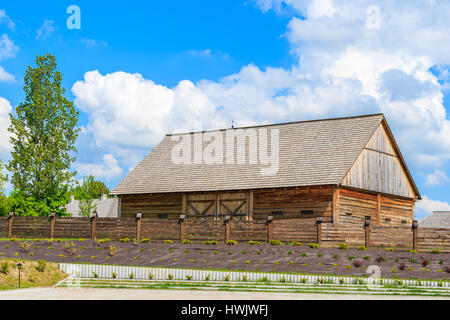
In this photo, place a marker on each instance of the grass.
(29, 274)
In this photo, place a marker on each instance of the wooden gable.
(380, 167)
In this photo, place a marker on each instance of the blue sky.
(139, 69)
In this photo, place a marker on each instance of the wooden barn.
(344, 170)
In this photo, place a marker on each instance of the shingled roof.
(317, 152)
(438, 219)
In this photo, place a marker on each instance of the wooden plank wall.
(334, 233)
(392, 236)
(303, 230)
(4, 227)
(202, 230)
(160, 229)
(73, 227)
(114, 228)
(291, 201)
(354, 206)
(432, 238)
(396, 212)
(151, 205)
(31, 227)
(244, 231)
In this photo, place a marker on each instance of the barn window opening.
(348, 214)
(277, 213)
(307, 212)
(163, 215)
(403, 221)
(387, 220)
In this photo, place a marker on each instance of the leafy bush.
(275, 242)
(297, 244)
(105, 240)
(95, 274)
(187, 241)
(342, 246)
(41, 265)
(244, 278)
(168, 241)
(227, 277)
(188, 277)
(210, 242)
(132, 275)
(362, 248)
(232, 242)
(254, 242)
(435, 251)
(114, 275)
(124, 240)
(314, 245)
(207, 277)
(4, 267)
(113, 250)
(413, 251)
(146, 240)
(390, 249)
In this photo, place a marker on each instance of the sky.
(137, 70)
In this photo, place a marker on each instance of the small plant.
(231, 242)
(394, 269)
(124, 240)
(13, 239)
(319, 255)
(171, 249)
(283, 279)
(413, 261)
(398, 282)
(191, 260)
(357, 263)
(342, 246)
(289, 252)
(390, 249)
(227, 277)
(170, 276)
(131, 275)
(320, 264)
(254, 242)
(336, 256)
(215, 252)
(320, 281)
(230, 253)
(247, 261)
(188, 277)
(402, 266)
(335, 264)
(168, 241)
(297, 244)
(264, 279)
(4, 267)
(25, 246)
(359, 281)
(304, 254)
(396, 260)
(341, 280)
(435, 251)
(95, 274)
(105, 240)
(276, 263)
(93, 257)
(114, 275)
(366, 258)
(303, 280)
(291, 262)
(362, 248)
(275, 242)
(176, 260)
(41, 265)
(113, 251)
(244, 278)
(186, 251)
(348, 267)
(61, 255)
(258, 252)
(207, 277)
(187, 241)
(414, 251)
(146, 240)
(350, 258)
(380, 258)
(244, 252)
(314, 245)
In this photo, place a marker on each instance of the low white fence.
(145, 273)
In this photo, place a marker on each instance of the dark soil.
(242, 257)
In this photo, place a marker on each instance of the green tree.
(44, 132)
(4, 203)
(87, 192)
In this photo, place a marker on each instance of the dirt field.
(268, 258)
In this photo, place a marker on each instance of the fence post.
(415, 228)
(94, 217)
(181, 222)
(52, 224)
(319, 230)
(138, 226)
(10, 224)
(227, 223)
(367, 232)
(269, 228)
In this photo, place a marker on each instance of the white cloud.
(208, 53)
(5, 109)
(46, 29)
(427, 206)
(91, 43)
(7, 47)
(107, 170)
(5, 20)
(5, 76)
(437, 178)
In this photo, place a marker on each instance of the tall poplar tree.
(44, 132)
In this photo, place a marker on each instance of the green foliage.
(275, 242)
(41, 265)
(254, 242)
(87, 192)
(43, 134)
(232, 242)
(187, 241)
(314, 245)
(4, 267)
(435, 251)
(342, 246)
(168, 241)
(4, 202)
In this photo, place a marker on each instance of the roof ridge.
(280, 124)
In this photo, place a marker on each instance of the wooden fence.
(287, 230)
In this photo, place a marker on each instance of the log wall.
(4, 224)
(302, 230)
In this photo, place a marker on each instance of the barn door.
(234, 204)
(201, 205)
